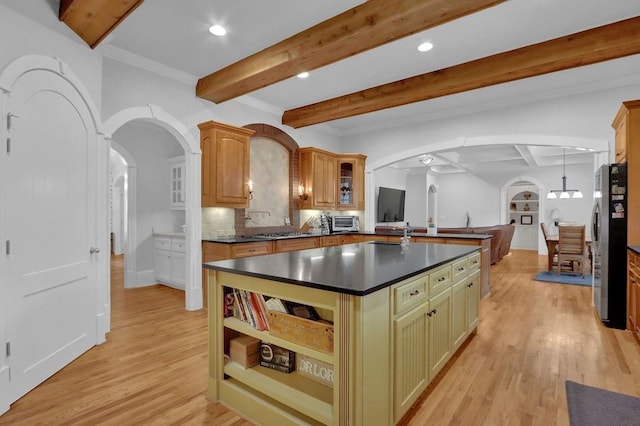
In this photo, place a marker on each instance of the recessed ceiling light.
(425, 47)
(303, 75)
(217, 30)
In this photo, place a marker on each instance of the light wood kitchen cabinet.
(318, 177)
(633, 293)
(350, 190)
(333, 240)
(293, 244)
(627, 126)
(359, 238)
(225, 165)
(212, 252)
(331, 180)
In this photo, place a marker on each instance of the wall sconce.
(250, 184)
(303, 195)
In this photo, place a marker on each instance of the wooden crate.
(311, 334)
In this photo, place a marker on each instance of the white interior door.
(51, 225)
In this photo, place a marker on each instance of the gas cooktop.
(277, 235)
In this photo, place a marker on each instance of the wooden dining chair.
(572, 248)
(545, 234)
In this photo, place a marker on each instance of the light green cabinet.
(439, 331)
(411, 374)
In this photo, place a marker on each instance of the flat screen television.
(390, 205)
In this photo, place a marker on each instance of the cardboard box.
(277, 358)
(245, 351)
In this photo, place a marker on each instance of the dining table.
(552, 242)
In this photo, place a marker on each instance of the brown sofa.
(500, 241)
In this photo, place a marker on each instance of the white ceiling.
(172, 37)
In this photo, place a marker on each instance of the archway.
(596, 145)
(536, 217)
(193, 213)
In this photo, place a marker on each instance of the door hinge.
(9, 120)
(8, 349)
(7, 245)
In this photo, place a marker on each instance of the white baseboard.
(4, 390)
(145, 278)
(173, 285)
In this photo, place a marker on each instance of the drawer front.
(296, 244)
(333, 240)
(178, 245)
(215, 251)
(163, 243)
(409, 294)
(440, 279)
(474, 262)
(250, 249)
(460, 269)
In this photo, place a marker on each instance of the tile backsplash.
(218, 222)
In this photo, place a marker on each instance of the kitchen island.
(391, 318)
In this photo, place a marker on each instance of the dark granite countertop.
(249, 239)
(357, 269)
(634, 248)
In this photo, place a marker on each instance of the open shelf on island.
(316, 401)
(245, 328)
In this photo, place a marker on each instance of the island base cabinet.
(459, 320)
(439, 332)
(411, 374)
(388, 345)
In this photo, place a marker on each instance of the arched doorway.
(193, 214)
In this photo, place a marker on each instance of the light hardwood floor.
(532, 337)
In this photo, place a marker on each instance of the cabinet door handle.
(441, 279)
(414, 293)
(460, 269)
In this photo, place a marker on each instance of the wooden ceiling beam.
(595, 45)
(361, 28)
(93, 20)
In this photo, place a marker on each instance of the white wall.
(459, 194)
(125, 86)
(416, 200)
(151, 146)
(22, 36)
(585, 116)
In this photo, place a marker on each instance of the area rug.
(554, 277)
(592, 406)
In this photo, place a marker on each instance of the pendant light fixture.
(564, 192)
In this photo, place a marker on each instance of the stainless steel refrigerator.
(609, 247)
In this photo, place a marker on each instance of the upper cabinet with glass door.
(178, 183)
(350, 190)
